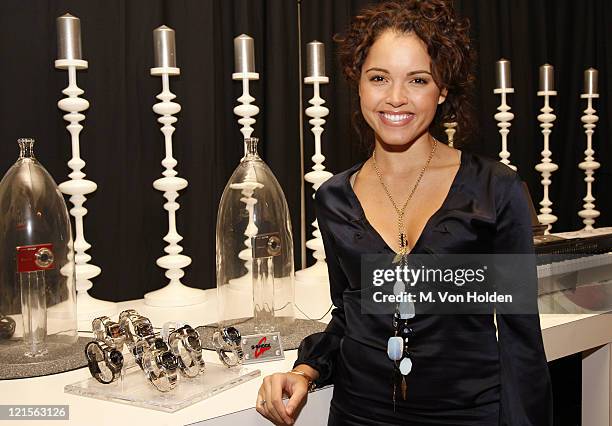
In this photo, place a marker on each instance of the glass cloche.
(37, 281)
(255, 276)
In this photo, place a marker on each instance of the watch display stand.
(133, 388)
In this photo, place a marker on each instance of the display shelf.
(563, 335)
(134, 388)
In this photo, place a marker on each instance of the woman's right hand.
(270, 397)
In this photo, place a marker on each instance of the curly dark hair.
(448, 44)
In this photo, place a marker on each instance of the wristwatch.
(158, 363)
(104, 362)
(185, 344)
(228, 339)
(108, 331)
(7, 327)
(135, 327)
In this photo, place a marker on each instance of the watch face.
(168, 361)
(7, 327)
(116, 357)
(43, 258)
(160, 345)
(144, 328)
(114, 331)
(194, 343)
(232, 334)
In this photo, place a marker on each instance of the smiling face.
(398, 95)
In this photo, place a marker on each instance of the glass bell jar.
(255, 276)
(37, 281)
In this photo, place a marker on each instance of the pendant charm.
(399, 288)
(406, 310)
(395, 348)
(405, 366)
(404, 388)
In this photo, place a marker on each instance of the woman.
(411, 64)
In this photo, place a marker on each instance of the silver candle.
(502, 74)
(244, 54)
(69, 37)
(164, 47)
(590, 81)
(547, 78)
(315, 64)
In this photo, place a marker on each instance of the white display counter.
(563, 335)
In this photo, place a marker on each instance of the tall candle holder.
(69, 58)
(317, 273)
(546, 167)
(589, 165)
(450, 130)
(175, 293)
(245, 71)
(244, 61)
(504, 117)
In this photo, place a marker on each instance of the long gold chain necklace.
(402, 240)
(397, 346)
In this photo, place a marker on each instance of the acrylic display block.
(135, 389)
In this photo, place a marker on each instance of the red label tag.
(35, 258)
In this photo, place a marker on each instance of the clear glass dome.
(255, 276)
(37, 292)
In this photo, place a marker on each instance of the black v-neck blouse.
(462, 373)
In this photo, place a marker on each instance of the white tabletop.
(563, 335)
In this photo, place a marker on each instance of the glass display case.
(254, 250)
(37, 275)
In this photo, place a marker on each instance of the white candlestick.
(244, 54)
(314, 280)
(589, 165)
(244, 57)
(175, 293)
(504, 116)
(546, 167)
(69, 46)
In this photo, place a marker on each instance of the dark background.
(123, 146)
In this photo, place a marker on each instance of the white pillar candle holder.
(504, 117)
(546, 167)
(589, 165)
(175, 293)
(77, 188)
(317, 273)
(246, 111)
(450, 130)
